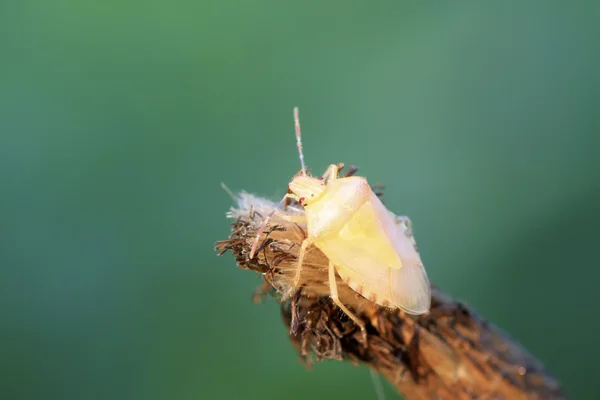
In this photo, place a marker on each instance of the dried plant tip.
(447, 353)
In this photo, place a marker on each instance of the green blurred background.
(119, 120)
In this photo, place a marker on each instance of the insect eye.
(301, 200)
(320, 178)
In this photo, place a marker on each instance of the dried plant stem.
(447, 353)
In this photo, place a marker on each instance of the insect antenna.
(299, 139)
(266, 220)
(263, 225)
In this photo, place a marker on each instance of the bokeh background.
(120, 119)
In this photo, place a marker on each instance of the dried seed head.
(278, 249)
(447, 353)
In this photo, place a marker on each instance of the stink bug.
(362, 239)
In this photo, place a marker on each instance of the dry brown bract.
(447, 353)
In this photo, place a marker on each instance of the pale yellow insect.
(361, 238)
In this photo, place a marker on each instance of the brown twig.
(447, 353)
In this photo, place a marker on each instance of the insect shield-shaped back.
(327, 215)
(368, 246)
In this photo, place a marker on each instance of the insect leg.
(305, 244)
(406, 222)
(406, 226)
(290, 218)
(262, 227)
(333, 292)
(303, 248)
(331, 173)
